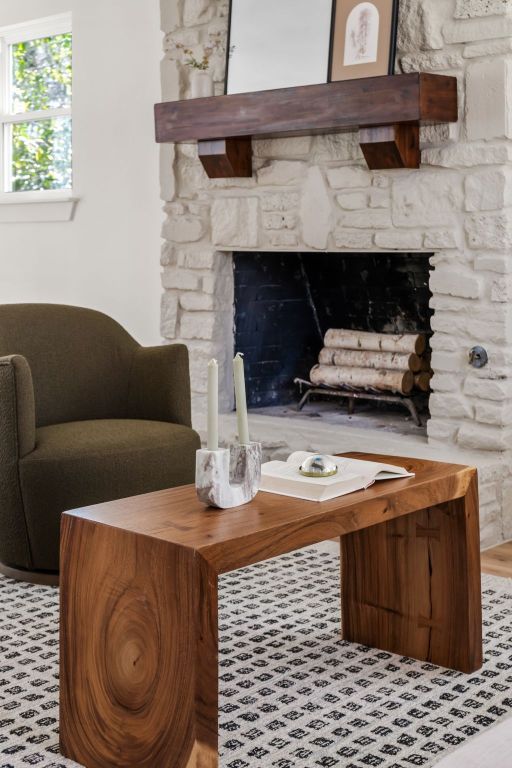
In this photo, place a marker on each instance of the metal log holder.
(353, 395)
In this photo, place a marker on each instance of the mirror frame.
(329, 56)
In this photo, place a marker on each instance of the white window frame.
(19, 33)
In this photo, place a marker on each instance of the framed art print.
(363, 38)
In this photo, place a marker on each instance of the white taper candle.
(241, 400)
(212, 442)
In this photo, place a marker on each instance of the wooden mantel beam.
(398, 103)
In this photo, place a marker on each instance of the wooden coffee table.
(139, 638)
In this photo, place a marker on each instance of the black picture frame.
(392, 43)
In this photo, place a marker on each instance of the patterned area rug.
(292, 693)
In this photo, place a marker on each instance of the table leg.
(138, 651)
(412, 585)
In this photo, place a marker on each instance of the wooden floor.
(498, 561)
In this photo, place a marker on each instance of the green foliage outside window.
(41, 80)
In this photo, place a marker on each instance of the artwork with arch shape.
(362, 35)
(363, 38)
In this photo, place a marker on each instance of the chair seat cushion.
(87, 462)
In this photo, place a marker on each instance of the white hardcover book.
(284, 477)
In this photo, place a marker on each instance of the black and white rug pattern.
(292, 693)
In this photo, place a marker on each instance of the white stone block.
(181, 279)
(467, 155)
(487, 48)
(447, 406)
(283, 239)
(170, 80)
(427, 199)
(432, 62)
(477, 29)
(482, 437)
(183, 229)
(167, 178)
(489, 412)
(197, 302)
(447, 362)
(488, 494)
(420, 24)
(348, 177)
(169, 15)
(374, 219)
(379, 198)
(315, 211)
(295, 146)
(198, 12)
(468, 9)
(168, 314)
(203, 259)
(442, 238)
(337, 147)
(281, 173)
(353, 201)
(346, 239)
(507, 509)
(489, 190)
(501, 290)
(490, 231)
(488, 102)
(444, 342)
(498, 390)
(381, 180)
(454, 282)
(442, 431)
(284, 220)
(167, 255)
(234, 222)
(395, 240)
(446, 382)
(280, 201)
(197, 325)
(493, 262)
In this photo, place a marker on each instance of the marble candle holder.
(228, 477)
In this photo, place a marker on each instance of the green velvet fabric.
(17, 438)
(82, 402)
(87, 462)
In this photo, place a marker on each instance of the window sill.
(36, 210)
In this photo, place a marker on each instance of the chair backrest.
(80, 359)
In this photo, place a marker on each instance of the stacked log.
(373, 362)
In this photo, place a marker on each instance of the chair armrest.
(17, 409)
(17, 439)
(159, 388)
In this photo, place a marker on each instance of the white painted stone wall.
(315, 193)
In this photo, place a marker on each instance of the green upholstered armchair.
(86, 416)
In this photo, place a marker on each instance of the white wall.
(108, 257)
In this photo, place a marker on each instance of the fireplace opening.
(285, 303)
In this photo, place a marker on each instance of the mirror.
(278, 44)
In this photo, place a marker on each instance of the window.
(35, 109)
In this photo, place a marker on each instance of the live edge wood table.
(139, 637)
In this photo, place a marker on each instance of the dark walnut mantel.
(387, 111)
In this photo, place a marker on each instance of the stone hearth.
(315, 194)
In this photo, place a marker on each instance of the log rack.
(387, 112)
(407, 401)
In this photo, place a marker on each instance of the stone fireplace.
(313, 196)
